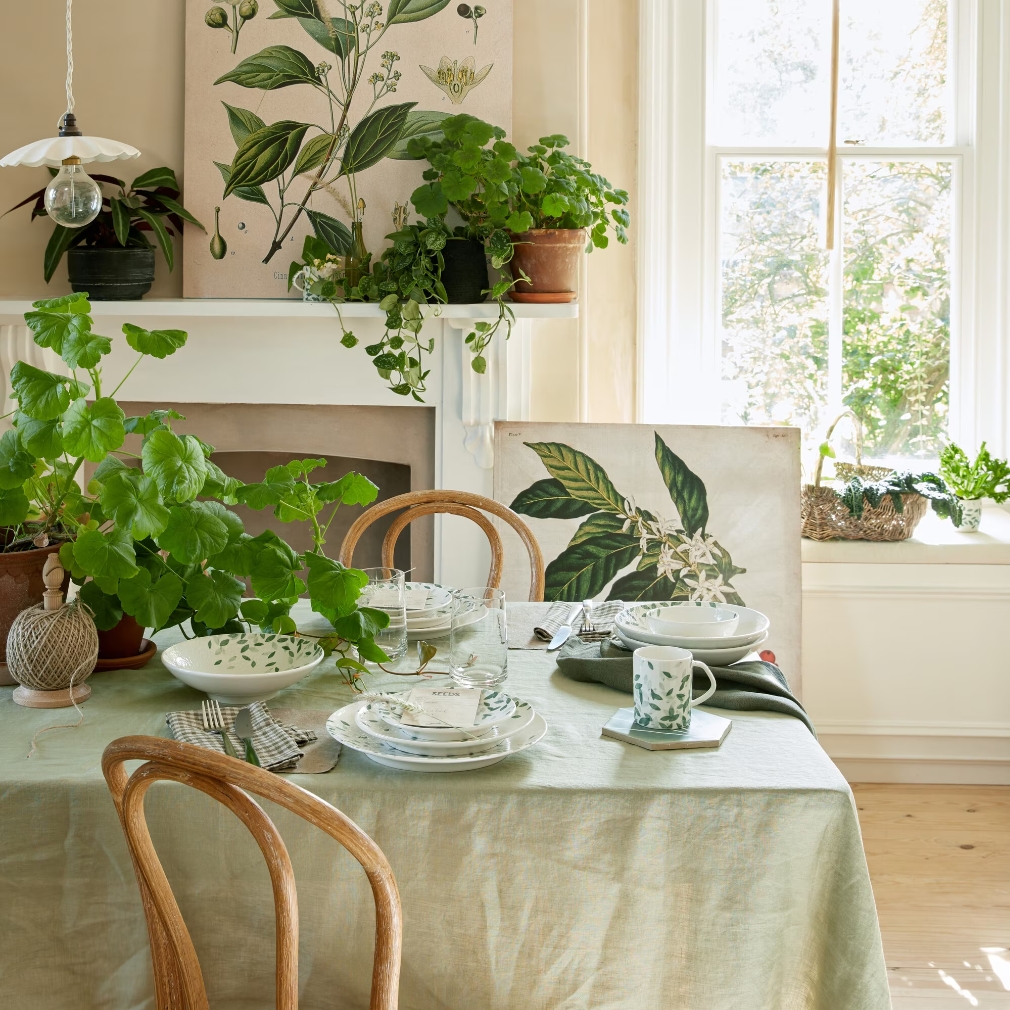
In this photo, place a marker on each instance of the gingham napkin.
(276, 746)
(603, 618)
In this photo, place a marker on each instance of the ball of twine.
(51, 650)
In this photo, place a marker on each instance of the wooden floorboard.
(939, 859)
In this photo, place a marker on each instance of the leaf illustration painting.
(673, 559)
(456, 79)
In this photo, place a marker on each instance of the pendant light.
(73, 199)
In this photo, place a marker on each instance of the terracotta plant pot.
(120, 641)
(550, 258)
(21, 586)
(465, 273)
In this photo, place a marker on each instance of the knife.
(243, 728)
(561, 635)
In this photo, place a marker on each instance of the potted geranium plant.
(557, 197)
(138, 541)
(986, 477)
(113, 256)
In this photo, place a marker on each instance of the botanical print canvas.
(298, 114)
(659, 512)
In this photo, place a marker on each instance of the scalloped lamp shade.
(54, 150)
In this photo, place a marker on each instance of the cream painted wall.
(128, 85)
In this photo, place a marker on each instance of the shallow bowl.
(239, 669)
(690, 620)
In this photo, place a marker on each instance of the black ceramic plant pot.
(111, 274)
(465, 271)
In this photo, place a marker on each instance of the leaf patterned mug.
(662, 682)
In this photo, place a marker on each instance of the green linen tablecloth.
(583, 873)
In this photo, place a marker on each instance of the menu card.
(455, 706)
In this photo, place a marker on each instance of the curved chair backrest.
(460, 503)
(177, 975)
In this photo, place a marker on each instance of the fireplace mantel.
(284, 351)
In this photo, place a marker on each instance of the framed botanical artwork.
(298, 116)
(639, 512)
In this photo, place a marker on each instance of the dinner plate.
(369, 719)
(417, 634)
(343, 728)
(714, 657)
(494, 708)
(633, 620)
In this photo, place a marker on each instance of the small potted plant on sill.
(557, 198)
(112, 257)
(986, 477)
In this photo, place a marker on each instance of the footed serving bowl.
(239, 669)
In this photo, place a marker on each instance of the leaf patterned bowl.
(634, 622)
(239, 669)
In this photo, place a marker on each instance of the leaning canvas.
(659, 512)
(298, 115)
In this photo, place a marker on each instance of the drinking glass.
(385, 592)
(478, 637)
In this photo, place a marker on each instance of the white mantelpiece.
(283, 351)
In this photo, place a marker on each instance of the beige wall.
(129, 86)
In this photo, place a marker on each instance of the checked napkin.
(603, 618)
(277, 746)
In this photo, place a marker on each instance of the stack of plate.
(434, 619)
(633, 629)
(503, 726)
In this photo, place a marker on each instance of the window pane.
(894, 86)
(896, 350)
(772, 75)
(774, 293)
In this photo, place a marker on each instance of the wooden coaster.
(51, 699)
(146, 654)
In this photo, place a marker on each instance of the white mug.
(663, 676)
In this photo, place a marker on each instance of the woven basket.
(846, 471)
(825, 516)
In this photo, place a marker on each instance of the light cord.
(70, 61)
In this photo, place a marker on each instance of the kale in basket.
(929, 485)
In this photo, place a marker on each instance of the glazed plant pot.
(111, 274)
(465, 272)
(121, 641)
(971, 515)
(550, 258)
(21, 586)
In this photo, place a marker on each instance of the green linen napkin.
(746, 686)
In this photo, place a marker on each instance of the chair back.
(459, 503)
(178, 979)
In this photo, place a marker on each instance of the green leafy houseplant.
(284, 152)
(944, 502)
(150, 206)
(986, 477)
(674, 559)
(138, 541)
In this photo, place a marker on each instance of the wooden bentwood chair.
(177, 976)
(457, 503)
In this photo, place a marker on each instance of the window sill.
(936, 542)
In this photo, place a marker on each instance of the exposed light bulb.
(73, 199)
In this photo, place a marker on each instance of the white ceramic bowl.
(633, 621)
(723, 656)
(691, 620)
(239, 669)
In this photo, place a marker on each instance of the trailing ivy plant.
(986, 477)
(471, 170)
(139, 541)
(672, 559)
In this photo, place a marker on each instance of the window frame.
(678, 185)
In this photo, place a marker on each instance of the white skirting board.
(906, 672)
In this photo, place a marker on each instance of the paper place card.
(417, 599)
(455, 706)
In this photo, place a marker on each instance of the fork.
(213, 722)
(588, 632)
